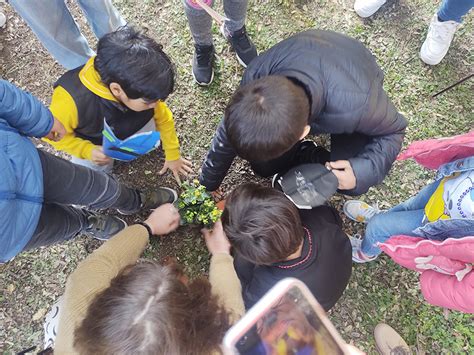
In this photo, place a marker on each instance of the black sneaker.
(203, 62)
(242, 45)
(160, 196)
(310, 153)
(102, 226)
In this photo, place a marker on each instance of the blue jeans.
(454, 10)
(54, 26)
(401, 219)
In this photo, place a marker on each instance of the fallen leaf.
(39, 314)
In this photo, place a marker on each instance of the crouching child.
(272, 240)
(125, 86)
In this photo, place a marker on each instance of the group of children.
(311, 83)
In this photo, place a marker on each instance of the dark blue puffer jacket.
(345, 87)
(21, 175)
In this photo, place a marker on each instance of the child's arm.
(64, 109)
(23, 111)
(165, 125)
(93, 275)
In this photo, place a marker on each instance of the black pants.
(343, 147)
(67, 184)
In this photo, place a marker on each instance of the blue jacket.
(454, 227)
(21, 175)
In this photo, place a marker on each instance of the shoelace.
(368, 213)
(98, 223)
(241, 39)
(442, 31)
(204, 57)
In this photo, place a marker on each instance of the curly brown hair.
(148, 310)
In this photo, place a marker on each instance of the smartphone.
(286, 320)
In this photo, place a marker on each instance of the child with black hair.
(125, 84)
(272, 240)
(314, 82)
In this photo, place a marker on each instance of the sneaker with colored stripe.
(357, 255)
(359, 211)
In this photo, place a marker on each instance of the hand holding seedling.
(344, 173)
(163, 220)
(57, 131)
(179, 166)
(99, 158)
(216, 240)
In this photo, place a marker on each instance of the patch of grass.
(380, 291)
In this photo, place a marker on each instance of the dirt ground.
(379, 291)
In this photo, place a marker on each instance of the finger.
(187, 162)
(187, 168)
(176, 176)
(162, 171)
(340, 177)
(339, 164)
(205, 233)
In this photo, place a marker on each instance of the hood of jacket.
(90, 78)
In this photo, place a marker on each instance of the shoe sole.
(203, 84)
(241, 62)
(125, 226)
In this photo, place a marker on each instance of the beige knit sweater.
(95, 273)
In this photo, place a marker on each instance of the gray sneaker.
(156, 198)
(103, 227)
(153, 199)
(360, 211)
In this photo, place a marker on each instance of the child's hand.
(344, 173)
(99, 158)
(57, 131)
(180, 166)
(164, 219)
(217, 195)
(216, 240)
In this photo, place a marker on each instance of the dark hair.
(262, 224)
(147, 310)
(136, 62)
(265, 118)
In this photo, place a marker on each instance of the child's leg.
(91, 165)
(384, 225)
(57, 223)
(235, 11)
(54, 26)
(102, 16)
(418, 201)
(199, 22)
(69, 184)
(454, 10)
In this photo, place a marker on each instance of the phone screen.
(290, 326)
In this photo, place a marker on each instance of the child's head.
(135, 68)
(262, 224)
(265, 118)
(148, 310)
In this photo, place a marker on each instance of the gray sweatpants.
(200, 22)
(66, 184)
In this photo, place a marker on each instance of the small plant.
(196, 205)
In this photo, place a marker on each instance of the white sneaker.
(438, 40)
(366, 8)
(3, 20)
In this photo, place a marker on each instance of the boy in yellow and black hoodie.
(125, 84)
